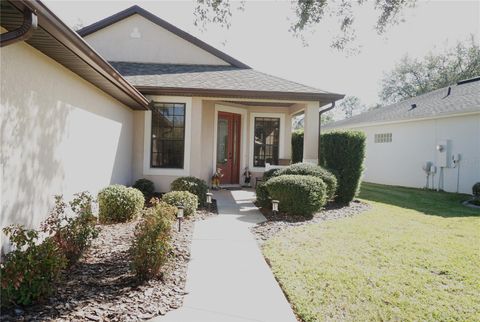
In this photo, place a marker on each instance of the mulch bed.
(281, 221)
(101, 287)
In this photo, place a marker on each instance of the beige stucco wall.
(201, 141)
(136, 39)
(413, 143)
(59, 135)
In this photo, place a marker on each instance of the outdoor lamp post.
(180, 216)
(209, 200)
(275, 206)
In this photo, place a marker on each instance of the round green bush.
(263, 198)
(298, 194)
(307, 169)
(188, 200)
(193, 185)
(476, 190)
(118, 203)
(146, 187)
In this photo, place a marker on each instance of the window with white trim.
(168, 135)
(383, 138)
(266, 141)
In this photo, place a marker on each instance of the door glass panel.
(222, 143)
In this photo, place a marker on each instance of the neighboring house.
(165, 105)
(441, 127)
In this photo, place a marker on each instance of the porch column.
(310, 139)
(196, 139)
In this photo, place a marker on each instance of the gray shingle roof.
(463, 98)
(208, 77)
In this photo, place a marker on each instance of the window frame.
(182, 140)
(281, 136)
(147, 120)
(262, 119)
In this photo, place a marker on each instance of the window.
(168, 135)
(383, 138)
(266, 141)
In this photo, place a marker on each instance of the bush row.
(297, 146)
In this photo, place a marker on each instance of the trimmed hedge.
(263, 198)
(193, 185)
(343, 153)
(188, 200)
(298, 194)
(151, 246)
(270, 174)
(118, 203)
(297, 146)
(146, 187)
(307, 169)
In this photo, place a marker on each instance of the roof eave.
(57, 29)
(181, 91)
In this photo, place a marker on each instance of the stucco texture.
(59, 135)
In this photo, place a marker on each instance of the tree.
(351, 105)
(412, 77)
(311, 12)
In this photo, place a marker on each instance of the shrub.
(298, 194)
(476, 190)
(263, 199)
(29, 272)
(118, 203)
(151, 244)
(72, 235)
(270, 174)
(182, 198)
(343, 153)
(193, 185)
(306, 169)
(297, 146)
(146, 187)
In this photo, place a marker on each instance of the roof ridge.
(135, 9)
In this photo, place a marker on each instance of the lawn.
(414, 256)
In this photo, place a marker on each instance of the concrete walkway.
(228, 278)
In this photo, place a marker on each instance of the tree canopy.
(413, 77)
(311, 12)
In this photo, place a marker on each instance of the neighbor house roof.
(162, 23)
(461, 98)
(214, 80)
(62, 44)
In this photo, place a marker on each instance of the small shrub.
(263, 198)
(30, 271)
(118, 203)
(182, 198)
(270, 174)
(72, 234)
(307, 169)
(193, 185)
(343, 153)
(146, 187)
(297, 194)
(476, 190)
(151, 245)
(297, 146)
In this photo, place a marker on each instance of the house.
(131, 97)
(441, 128)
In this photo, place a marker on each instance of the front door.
(228, 147)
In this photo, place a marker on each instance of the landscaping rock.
(101, 287)
(281, 221)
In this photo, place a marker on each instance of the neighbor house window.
(383, 138)
(168, 135)
(266, 141)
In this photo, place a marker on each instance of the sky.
(259, 36)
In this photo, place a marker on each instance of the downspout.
(25, 31)
(320, 125)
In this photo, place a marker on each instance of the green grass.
(414, 256)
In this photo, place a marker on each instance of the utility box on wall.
(443, 153)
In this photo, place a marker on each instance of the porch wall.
(59, 135)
